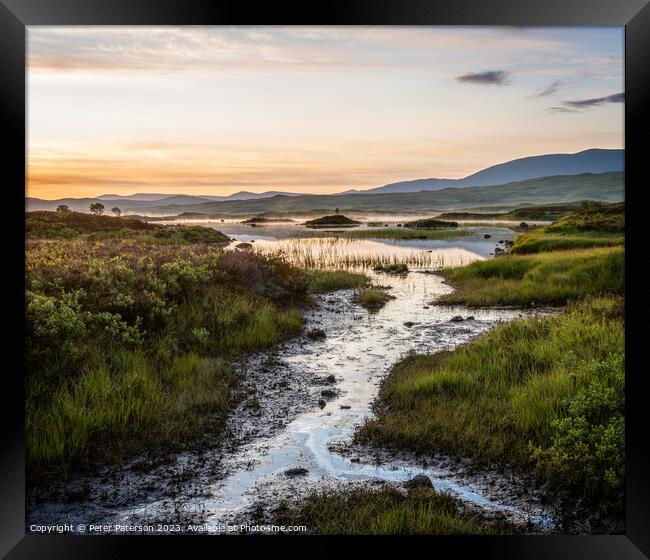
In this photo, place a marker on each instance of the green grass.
(371, 299)
(538, 241)
(543, 394)
(385, 512)
(323, 280)
(392, 268)
(77, 225)
(593, 226)
(552, 278)
(128, 343)
(430, 223)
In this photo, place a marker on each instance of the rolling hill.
(588, 161)
(605, 187)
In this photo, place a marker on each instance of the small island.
(337, 220)
(430, 223)
(265, 220)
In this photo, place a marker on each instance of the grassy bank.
(548, 278)
(129, 342)
(386, 512)
(544, 394)
(592, 226)
(77, 225)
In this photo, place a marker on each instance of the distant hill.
(589, 161)
(604, 187)
(140, 202)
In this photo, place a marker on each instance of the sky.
(216, 110)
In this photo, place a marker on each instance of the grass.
(592, 226)
(323, 280)
(430, 223)
(552, 278)
(543, 394)
(127, 337)
(385, 512)
(393, 268)
(372, 299)
(77, 225)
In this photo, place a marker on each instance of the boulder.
(296, 471)
(456, 319)
(328, 393)
(322, 403)
(316, 334)
(419, 481)
(409, 324)
(487, 236)
(330, 379)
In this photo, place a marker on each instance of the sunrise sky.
(215, 110)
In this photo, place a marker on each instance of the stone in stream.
(456, 319)
(321, 403)
(419, 481)
(316, 334)
(345, 406)
(330, 379)
(328, 393)
(296, 471)
(470, 318)
(487, 236)
(409, 324)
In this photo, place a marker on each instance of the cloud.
(491, 77)
(594, 102)
(550, 89)
(561, 110)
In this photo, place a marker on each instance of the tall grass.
(386, 512)
(541, 393)
(321, 280)
(128, 343)
(340, 253)
(553, 278)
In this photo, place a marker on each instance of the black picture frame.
(15, 15)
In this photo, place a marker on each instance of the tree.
(116, 211)
(97, 208)
(62, 208)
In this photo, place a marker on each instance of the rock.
(419, 481)
(345, 406)
(296, 471)
(523, 226)
(425, 307)
(316, 334)
(487, 236)
(355, 460)
(321, 403)
(470, 318)
(456, 319)
(328, 393)
(409, 324)
(330, 379)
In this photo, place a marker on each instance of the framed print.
(367, 271)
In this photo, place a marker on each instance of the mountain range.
(566, 177)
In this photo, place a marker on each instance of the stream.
(282, 425)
